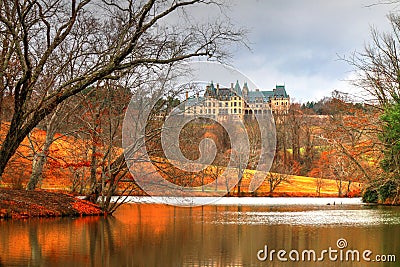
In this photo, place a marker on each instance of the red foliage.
(77, 165)
(296, 167)
(354, 193)
(86, 208)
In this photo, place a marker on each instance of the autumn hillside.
(67, 158)
(301, 186)
(68, 163)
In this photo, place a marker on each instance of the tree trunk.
(1, 104)
(271, 186)
(37, 170)
(38, 163)
(5, 155)
(340, 193)
(93, 167)
(284, 148)
(239, 185)
(348, 187)
(13, 139)
(19, 129)
(40, 159)
(240, 175)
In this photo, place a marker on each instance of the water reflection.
(158, 235)
(323, 217)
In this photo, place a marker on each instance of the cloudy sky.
(297, 42)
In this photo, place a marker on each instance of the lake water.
(230, 232)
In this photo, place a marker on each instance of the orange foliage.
(85, 207)
(66, 154)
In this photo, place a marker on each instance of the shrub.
(387, 191)
(370, 196)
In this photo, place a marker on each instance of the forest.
(68, 74)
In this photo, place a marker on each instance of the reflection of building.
(235, 102)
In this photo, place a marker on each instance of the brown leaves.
(25, 204)
(86, 208)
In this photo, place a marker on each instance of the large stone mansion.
(236, 102)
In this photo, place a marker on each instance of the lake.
(229, 232)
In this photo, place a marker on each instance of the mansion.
(236, 102)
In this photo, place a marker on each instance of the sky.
(299, 42)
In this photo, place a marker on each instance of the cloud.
(298, 42)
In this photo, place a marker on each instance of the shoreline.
(244, 201)
(22, 204)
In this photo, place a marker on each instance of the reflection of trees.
(157, 235)
(87, 241)
(36, 249)
(101, 240)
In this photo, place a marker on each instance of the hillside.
(68, 163)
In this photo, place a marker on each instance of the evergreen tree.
(390, 136)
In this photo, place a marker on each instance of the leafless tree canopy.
(53, 49)
(378, 66)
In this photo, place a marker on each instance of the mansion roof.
(250, 96)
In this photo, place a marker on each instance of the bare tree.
(43, 39)
(378, 65)
(351, 132)
(277, 174)
(282, 136)
(52, 125)
(319, 183)
(309, 149)
(274, 179)
(294, 120)
(378, 71)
